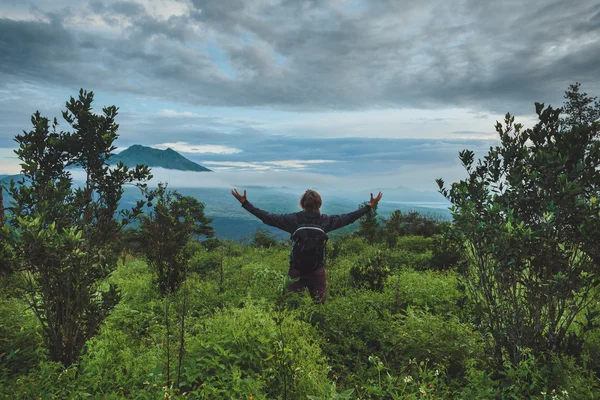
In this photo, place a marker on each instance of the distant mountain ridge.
(169, 159)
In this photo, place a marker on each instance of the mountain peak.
(169, 159)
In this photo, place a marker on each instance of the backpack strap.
(309, 226)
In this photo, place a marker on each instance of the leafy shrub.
(427, 290)
(414, 244)
(417, 379)
(353, 327)
(334, 249)
(447, 251)
(369, 228)
(64, 235)
(250, 343)
(353, 246)
(165, 233)
(439, 339)
(370, 272)
(263, 238)
(548, 377)
(19, 338)
(529, 214)
(591, 348)
(203, 262)
(212, 244)
(407, 259)
(412, 223)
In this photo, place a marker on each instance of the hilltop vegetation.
(501, 303)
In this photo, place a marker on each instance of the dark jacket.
(289, 222)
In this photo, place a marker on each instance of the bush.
(238, 352)
(353, 327)
(263, 238)
(165, 233)
(415, 244)
(412, 223)
(19, 338)
(428, 290)
(334, 249)
(370, 272)
(408, 259)
(529, 214)
(447, 251)
(204, 262)
(65, 235)
(439, 339)
(353, 246)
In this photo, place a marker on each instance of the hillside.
(169, 159)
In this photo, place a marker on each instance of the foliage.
(368, 226)
(415, 244)
(412, 223)
(243, 337)
(263, 238)
(399, 259)
(19, 338)
(427, 290)
(165, 232)
(448, 250)
(351, 245)
(530, 215)
(579, 109)
(370, 271)
(2, 217)
(353, 327)
(247, 343)
(203, 262)
(435, 338)
(64, 236)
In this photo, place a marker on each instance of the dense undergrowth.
(392, 328)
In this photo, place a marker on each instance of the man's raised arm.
(286, 222)
(338, 221)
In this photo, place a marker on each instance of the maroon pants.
(315, 281)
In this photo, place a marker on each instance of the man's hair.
(310, 201)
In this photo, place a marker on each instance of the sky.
(308, 93)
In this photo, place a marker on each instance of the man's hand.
(239, 197)
(374, 200)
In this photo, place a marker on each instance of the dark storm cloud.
(309, 55)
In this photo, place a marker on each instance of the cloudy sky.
(338, 91)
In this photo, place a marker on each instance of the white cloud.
(412, 176)
(185, 147)
(238, 165)
(167, 112)
(267, 165)
(392, 123)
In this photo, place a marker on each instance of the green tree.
(263, 238)
(579, 108)
(63, 235)
(164, 235)
(1, 205)
(166, 230)
(530, 216)
(411, 223)
(6, 251)
(368, 226)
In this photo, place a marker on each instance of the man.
(308, 229)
